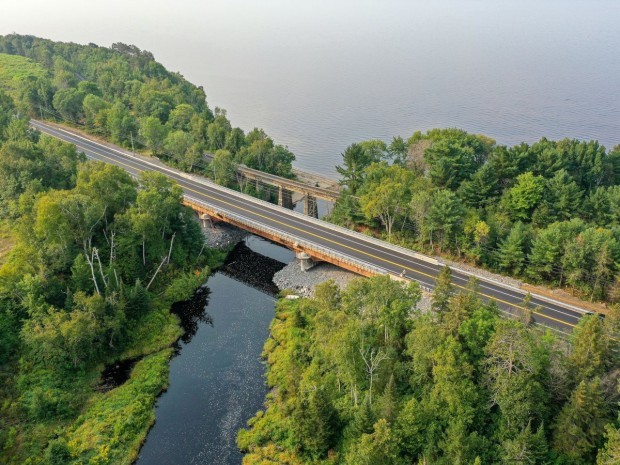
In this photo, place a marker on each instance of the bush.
(57, 453)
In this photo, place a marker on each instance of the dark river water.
(217, 377)
(318, 75)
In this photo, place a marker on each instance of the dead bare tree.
(372, 359)
(166, 259)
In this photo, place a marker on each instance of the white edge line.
(349, 232)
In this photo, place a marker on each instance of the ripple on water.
(217, 378)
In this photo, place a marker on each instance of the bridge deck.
(318, 238)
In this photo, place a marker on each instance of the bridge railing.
(334, 227)
(372, 240)
(301, 243)
(365, 237)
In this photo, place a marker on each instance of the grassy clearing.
(14, 68)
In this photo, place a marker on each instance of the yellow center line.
(351, 248)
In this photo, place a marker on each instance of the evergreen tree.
(580, 425)
(363, 420)
(460, 308)
(454, 394)
(482, 189)
(508, 163)
(589, 349)
(459, 445)
(562, 197)
(411, 428)
(513, 370)
(315, 422)
(398, 150)
(453, 159)
(378, 448)
(527, 448)
(355, 161)
(610, 454)
(137, 301)
(597, 207)
(549, 248)
(511, 253)
(387, 404)
(347, 211)
(445, 216)
(443, 291)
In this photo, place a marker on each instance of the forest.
(94, 262)
(547, 213)
(122, 94)
(91, 260)
(361, 376)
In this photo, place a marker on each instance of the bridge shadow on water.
(252, 269)
(243, 265)
(217, 376)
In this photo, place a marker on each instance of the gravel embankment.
(223, 235)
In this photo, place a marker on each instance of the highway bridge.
(319, 239)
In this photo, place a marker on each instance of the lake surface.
(318, 75)
(217, 377)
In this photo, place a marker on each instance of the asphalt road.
(553, 314)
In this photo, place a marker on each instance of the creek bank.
(292, 277)
(217, 374)
(240, 265)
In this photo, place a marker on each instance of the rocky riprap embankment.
(291, 277)
(222, 236)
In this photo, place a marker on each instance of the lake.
(318, 75)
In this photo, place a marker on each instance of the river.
(217, 376)
(318, 75)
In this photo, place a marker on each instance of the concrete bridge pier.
(306, 261)
(285, 198)
(310, 207)
(205, 220)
